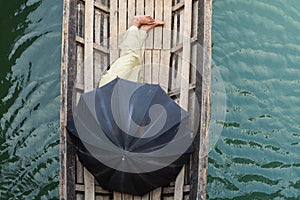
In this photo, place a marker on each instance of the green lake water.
(30, 46)
(256, 49)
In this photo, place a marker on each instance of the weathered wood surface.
(113, 31)
(67, 155)
(185, 29)
(170, 53)
(88, 77)
(205, 7)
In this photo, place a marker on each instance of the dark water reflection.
(257, 50)
(30, 48)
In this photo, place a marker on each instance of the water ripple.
(29, 105)
(256, 47)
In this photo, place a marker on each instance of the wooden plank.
(97, 26)
(102, 30)
(164, 69)
(195, 16)
(127, 197)
(63, 190)
(105, 31)
(76, 98)
(105, 62)
(79, 70)
(156, 194)
(101, 7)
(117, 196)
(149, 10)
(79, 170)
(99, 197)
(122, 17)
(186, 197)
(178, 6)
(88, 46)
(170, 190)
(181, 26)
(79, 196)
(155, 66)
(68, 72)
(122, 23)
(96, 46)
(102, 197)
(98, 189)
(89, 188)
(146, 197)
(98, 60)
(174, 30)
(114, 30)
(131, 11)
(176, 91)
(80, 39)
(167, 38)
(140, 7)
(194, 111)
(178, 77)
(174, 72)
(206, 5)
(147, 66)
(80, 19)
(137, 198)
(179, 47)
(101, 48)
(158, 14)
(179, 185)
(88, 80)
(167, 34)
(186, 55)
(193, 69)
(140, 10)
(184, 92)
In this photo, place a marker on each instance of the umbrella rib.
(106, 116)
(149, 141)
(147, 106)
(157, 119)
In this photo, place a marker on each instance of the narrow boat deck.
(177, 56)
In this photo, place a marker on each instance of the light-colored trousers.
(128, 65)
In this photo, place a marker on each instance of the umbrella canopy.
(131, 136)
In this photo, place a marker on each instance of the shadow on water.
(30, 40)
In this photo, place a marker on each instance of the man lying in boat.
(128, 65)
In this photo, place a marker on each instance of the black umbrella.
(131, 136)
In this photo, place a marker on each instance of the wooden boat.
(90, 42)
